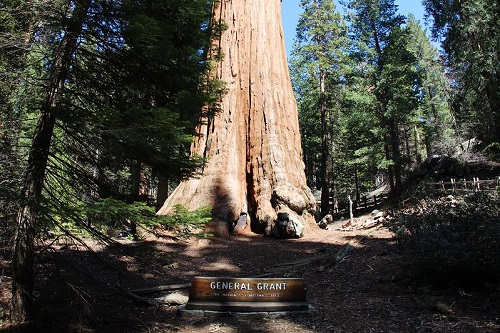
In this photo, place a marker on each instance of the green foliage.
(397, 78)
(470, 35)
(493, 150)
(318, 67)
(116, 212)
(187, 222)
(134, 86)
(372, 22)
(452, 240)
(435, 119)
(112, 214)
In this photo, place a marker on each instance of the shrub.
(452, 239)
(115, 214)
(187, 222)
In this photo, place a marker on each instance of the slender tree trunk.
(162, 193)
(325, 149)
(435, 120)
(356, 184)
(23, 251)
(396, 154)
(493, 116)
(384, 123)
(23, 254)
(135, 179)
(418, 144)
(253, 144)
(390, 169)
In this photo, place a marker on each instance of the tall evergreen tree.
(397, 94)
(253, 146)
(16, 20)
(23, 253)
(470, 32)
(108, 91)
(320, 57)
(376, 27)
(436, 118)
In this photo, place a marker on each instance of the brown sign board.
(247, 294)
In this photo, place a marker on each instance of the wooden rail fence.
(474, 185)
(363, 203)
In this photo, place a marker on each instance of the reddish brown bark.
(253, 145)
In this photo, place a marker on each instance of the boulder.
(287, 226)
(325, 221)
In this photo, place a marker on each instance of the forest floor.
(369, 290)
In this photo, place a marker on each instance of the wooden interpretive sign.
(247, 294)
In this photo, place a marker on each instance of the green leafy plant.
(110, 215)
(187, 222)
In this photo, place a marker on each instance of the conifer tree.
(436, 118)
(470, 32)
(319, 61)
(113, 85)
(255, 167)
(382, 45)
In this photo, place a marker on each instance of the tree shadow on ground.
(78, 289)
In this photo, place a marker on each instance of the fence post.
(350, 210)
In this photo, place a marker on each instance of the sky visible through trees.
(291, 11)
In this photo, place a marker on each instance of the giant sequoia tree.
(252, 145)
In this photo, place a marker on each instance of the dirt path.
(367, 291)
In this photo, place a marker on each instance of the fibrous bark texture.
(253, 144)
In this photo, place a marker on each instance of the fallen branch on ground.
(339, 256)
(170, 287)
(342, 253)
(170, 299)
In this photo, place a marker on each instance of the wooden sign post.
(247, 294)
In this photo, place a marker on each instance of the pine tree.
(436, 118)
(376, 27)
(320, 54)
(471, 42)
(23, 254)
(117, 85)
(319, 58)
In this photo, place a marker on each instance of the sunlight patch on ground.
(225, 263)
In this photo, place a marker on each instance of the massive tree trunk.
(253, 144)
